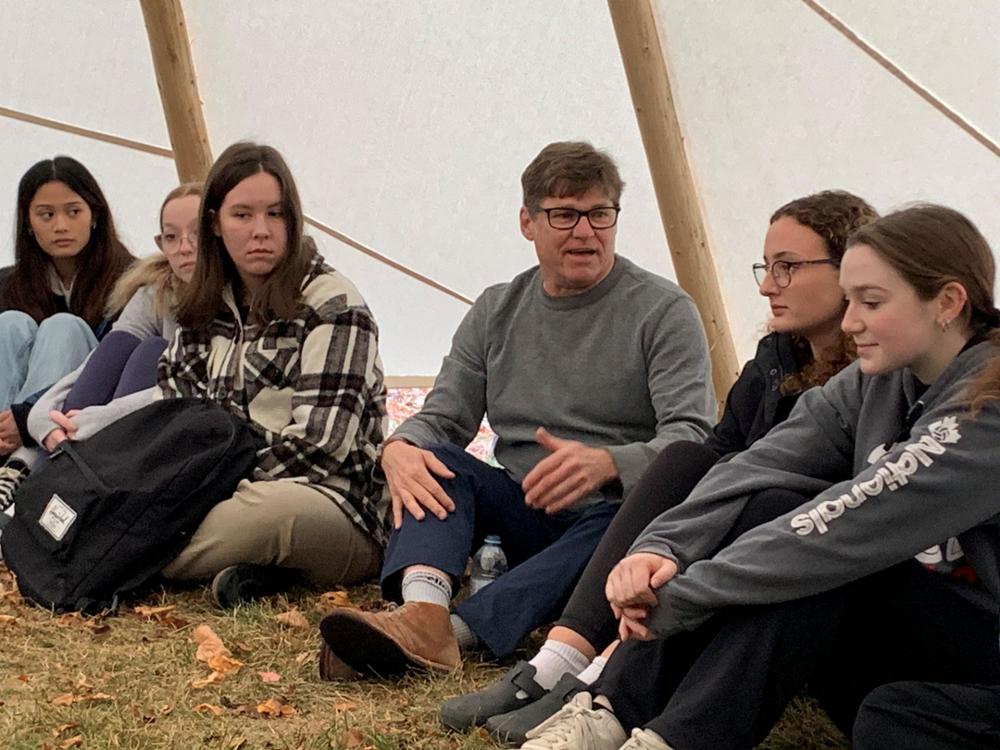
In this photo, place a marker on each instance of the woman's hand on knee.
(65, 422)
(409, 472)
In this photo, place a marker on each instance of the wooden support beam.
(642, 53)
(178, 84)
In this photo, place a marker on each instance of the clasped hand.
(66, 430)
(631, 591)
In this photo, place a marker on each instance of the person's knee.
(878, 714)
(62, 329)
(17, 330)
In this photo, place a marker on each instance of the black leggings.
(667, 481)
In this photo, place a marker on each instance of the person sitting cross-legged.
(587, 366)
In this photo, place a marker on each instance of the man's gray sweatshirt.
(883, 490)
(623, 366)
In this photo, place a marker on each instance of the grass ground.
(135, 681)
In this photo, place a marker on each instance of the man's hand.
(409, 472)
(10, 438)
(572, 471)
(633, 582)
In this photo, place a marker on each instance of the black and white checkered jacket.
(311, 388)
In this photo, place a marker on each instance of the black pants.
(929, 716)
(725, 684)
(667, 481)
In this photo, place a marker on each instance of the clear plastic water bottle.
(488, 564)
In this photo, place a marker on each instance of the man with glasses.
(587, 367)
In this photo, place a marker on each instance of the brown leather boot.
(417, 634)
(332, 667)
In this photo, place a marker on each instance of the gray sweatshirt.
(623, 366)
(881, 495)
(142, 319)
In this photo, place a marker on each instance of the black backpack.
(105, 515)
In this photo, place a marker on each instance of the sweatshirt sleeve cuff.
(20, 413)
(631, 461)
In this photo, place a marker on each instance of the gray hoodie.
(141, 317)
(881, 494)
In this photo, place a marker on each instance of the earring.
(944, 325)
(93, 225)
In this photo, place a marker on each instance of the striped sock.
(424, 586)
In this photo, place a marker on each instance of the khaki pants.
(280, 523)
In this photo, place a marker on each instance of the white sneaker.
(577, 726)
(644, 739)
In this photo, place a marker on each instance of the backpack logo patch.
(57, 518)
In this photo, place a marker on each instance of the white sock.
(555, 659)
(424, 586)
(590, 674)
(463, 633)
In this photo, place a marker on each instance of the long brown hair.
(278, 297)
(833, 215)
(931, 246)
(152, 271)
(99, 264)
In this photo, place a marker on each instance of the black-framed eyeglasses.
(600, 217)
(781, 270)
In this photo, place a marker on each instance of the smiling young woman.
(888, 553)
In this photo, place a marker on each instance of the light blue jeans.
(34, 356)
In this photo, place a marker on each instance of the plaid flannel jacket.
(311, 388)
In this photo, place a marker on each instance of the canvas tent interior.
(407, 124)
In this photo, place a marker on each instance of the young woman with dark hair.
(67, 257)
(805, 242)
(277, 336)
(119, 375)
(884, 567)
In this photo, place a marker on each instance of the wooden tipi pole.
(680, 210)
(178, 84)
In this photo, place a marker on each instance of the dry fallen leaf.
(344, 705)
(269, 676)
(215, 710)
(154, 613)
(72, 742)
(274, 708)
(225, 664)
(209, 644)
(56, 731)
(293, 619)
(305, 656)
(213, 678)
(69, 699)
(7, 619)
(24, 678)
(352, 738)
(330, 599)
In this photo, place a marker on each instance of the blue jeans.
(34, 356)
(546, 553)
